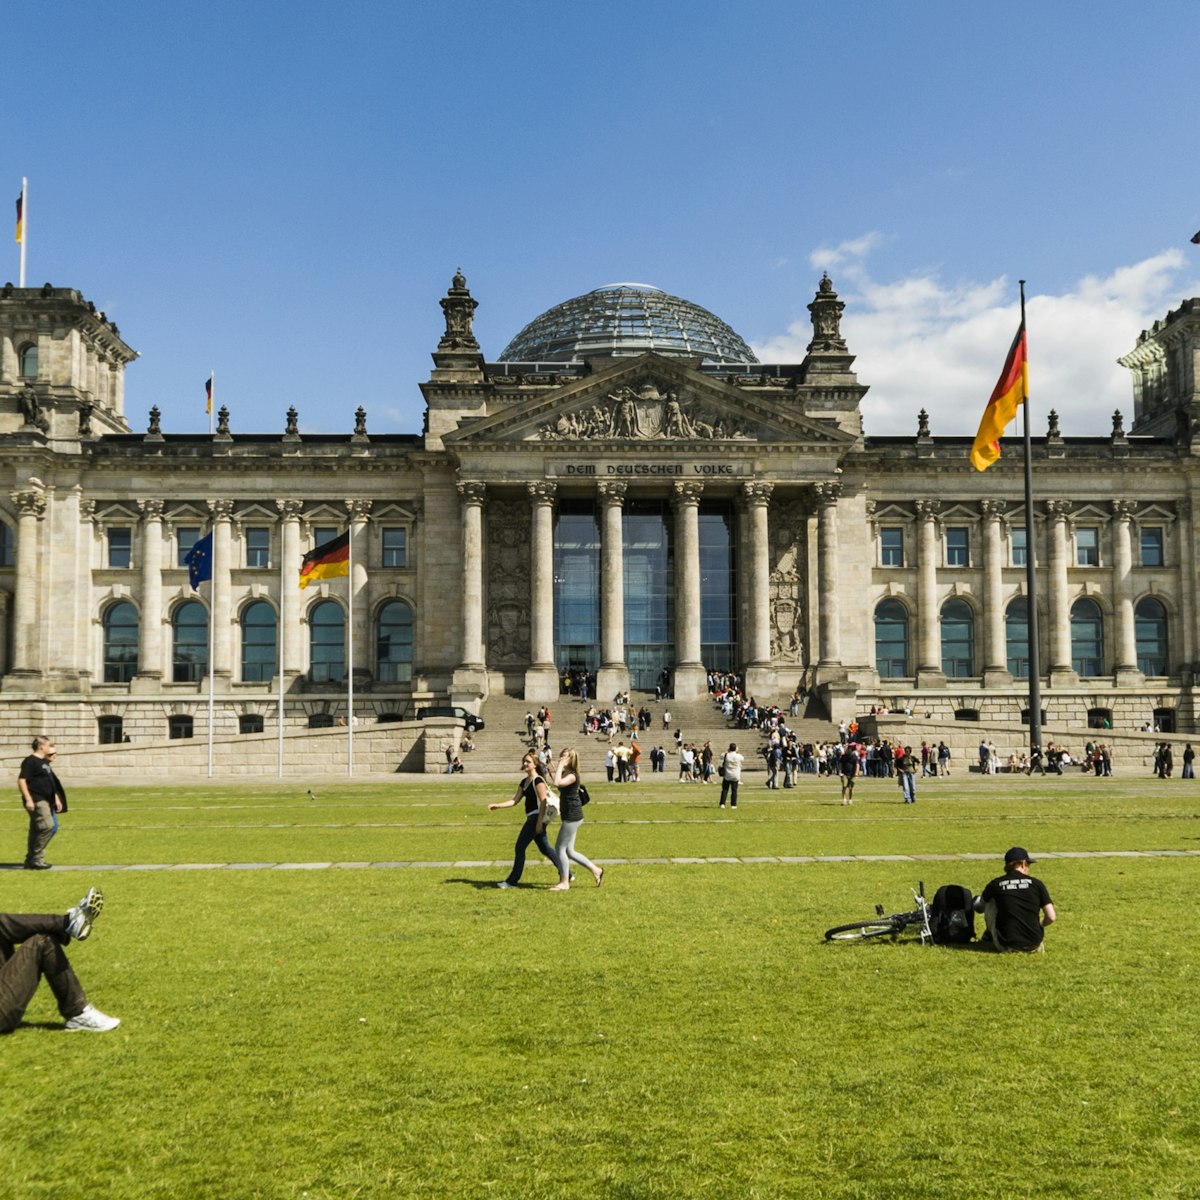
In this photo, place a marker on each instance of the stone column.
(760, 676)
(541, 676)
(1126, 673)
(690, 682)
(829, 620)
(222, 588)
(290, 649)
(150, 631)
(470, 678)
(1183, 658)
(1058, 535)
(613, 676)
(31, 509)
(995, 657)
(359, 511)
(929, 642)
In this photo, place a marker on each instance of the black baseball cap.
(1018, 854)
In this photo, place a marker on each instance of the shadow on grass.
(486, 885)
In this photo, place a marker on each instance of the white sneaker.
(80, 918)
(93, 1020)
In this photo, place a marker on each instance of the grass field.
(374, 1030)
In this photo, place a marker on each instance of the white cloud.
(923, 343)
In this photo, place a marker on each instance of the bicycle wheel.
(861, 930)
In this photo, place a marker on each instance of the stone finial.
(459, 309)
(1052, 431)
(922, 424)
(826, 311)
(360, 422)
(293, 423)
(1118, 429)
(223, 421)
(154, 429)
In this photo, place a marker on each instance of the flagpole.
(279, 663)
(1035, 658)
(212, 626)
(24, 226)
(350, 646)
(212, 391)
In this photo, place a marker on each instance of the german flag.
(20, 217)
(1011, 389)
(208, 390)
(327, 561)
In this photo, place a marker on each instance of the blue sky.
(281, 192)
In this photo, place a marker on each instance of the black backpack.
(951, 916)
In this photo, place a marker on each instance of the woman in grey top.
(566, 779)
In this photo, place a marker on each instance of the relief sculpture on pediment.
(508, 589)
(789, 527)
(644, 415)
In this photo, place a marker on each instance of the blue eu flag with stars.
(199, 561)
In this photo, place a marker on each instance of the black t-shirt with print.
(1019, 903)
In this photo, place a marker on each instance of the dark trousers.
(729, 787)
(526, 836)
(41, 937)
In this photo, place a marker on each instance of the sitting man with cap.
(1016, 906)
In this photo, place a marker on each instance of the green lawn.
(682, 1031)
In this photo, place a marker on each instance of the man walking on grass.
(1016, 906)
(44, 798)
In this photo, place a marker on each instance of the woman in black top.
(531, 789)
(566, 779)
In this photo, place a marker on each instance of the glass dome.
(626, 319)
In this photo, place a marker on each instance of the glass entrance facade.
(718, 589)
(576, 587)
(649, 591)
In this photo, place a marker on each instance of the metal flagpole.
(212, 628)
(1035, 658)
(24, 227)
(279, 664)
(350, 646)
(212, 392)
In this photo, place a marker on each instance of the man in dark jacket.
(44, 798)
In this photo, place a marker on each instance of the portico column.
(929, 658)
(760, 677)
(1185, 658)
(359, 511)
(541, 676)
(690, 680)
(31, 508)
(291, 649)
(470, 678)
(613, 676)
(829, 621)
(150, 639)
(995, 660)
(1061, 670)
(222, 591)
(1126, 673)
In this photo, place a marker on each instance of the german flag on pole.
(20, 217)
(1011, 389)
(327, 561)
(208, 391)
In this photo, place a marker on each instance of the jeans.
(41, 938)
(908, 787)
(729, 788)
(564, 846)
(526, 836)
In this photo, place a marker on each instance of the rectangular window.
(323, 534)
(1152, 547)
(186, 536)
(891, 547)
(958, 547)
(1087, 547)
(258, 547)
(120, 547)
(395, 548)
(1020, 548)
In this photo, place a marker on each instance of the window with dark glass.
(324, 533)
(120, 626)
(1087, 638)
(395, 548)
(958, 639)
(28, 361)
(394, 643)
(649, 591)
(958, 546)
(1152, 547)
(1020, 546)
(120, 547)
(186, 536)
(189, 655)
(258, 547)
(8, 545)
(250, 723)
(327, 642)
(179, 726)
(1150, 630)
(891, 640)
(576, 587)
(258, 642)
(718, 594)
(1087, 547)
(1016, 637)
(891, 546)
(110, 730)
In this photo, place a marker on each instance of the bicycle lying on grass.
(891, 925)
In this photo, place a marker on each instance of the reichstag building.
(624, 490)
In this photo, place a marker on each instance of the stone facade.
(873, 571)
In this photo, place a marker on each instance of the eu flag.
(199, 561)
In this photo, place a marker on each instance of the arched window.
(1150, 623)
(27, 361)
(958, 639)
(8, 545)
(1016, 637)
(394, 643)
(327, 642)
(1087, 638)
(120, 625)
(189, 652)
(258, 643)
(891, 640)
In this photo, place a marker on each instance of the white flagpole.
(24, 226)
(212, 627)
(350, 649)
(279, 664)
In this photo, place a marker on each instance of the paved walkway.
(463, 864)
